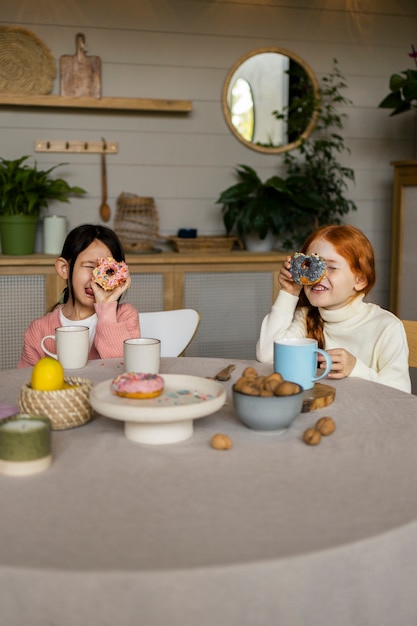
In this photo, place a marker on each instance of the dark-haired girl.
(83, 302)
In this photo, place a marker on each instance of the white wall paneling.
(182, 49)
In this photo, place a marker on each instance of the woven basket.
(204, 244)
(136, 223)
(66, 408)
(26, 63)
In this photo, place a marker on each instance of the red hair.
(356, 248)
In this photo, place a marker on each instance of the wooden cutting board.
(80, 75)
(318, 398)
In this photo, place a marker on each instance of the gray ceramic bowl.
(267, 413)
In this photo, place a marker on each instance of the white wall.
(183, 49)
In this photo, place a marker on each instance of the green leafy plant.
(312, 194)
(25, 190)
(252, 205)
(317, 181)
(403, 86)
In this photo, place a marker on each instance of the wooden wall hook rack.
(46, 145)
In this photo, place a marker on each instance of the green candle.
(25, 444)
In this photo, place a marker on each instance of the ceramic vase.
(54, 233)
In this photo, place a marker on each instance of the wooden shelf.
(105, 103)
(45, 262)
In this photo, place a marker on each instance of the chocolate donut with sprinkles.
(307, 269)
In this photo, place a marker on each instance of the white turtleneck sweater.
(373, 335)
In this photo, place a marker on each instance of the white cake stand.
(166, 419)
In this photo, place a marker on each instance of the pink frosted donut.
(137, 385)
(109, 274)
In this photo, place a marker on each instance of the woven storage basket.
(136, 222)
(204, 244)
(66, 408)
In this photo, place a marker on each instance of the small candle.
(25, 444)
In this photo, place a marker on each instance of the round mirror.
(270, 100)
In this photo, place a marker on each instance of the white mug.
(296, 360)
(72, 346)
(142, 354)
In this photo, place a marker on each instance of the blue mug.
(295, 358)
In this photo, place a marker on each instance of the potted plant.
(312, 193)
(314, 171)
(24, 192)
(252, 206)
(403, 86)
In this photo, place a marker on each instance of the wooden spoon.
(105, 210)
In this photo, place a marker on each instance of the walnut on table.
(312, 436)
(326, 426)
(219, 441)
(323, 427)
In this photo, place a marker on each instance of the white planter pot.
(255, 244)
(54, 233)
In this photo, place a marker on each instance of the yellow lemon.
(47, 375)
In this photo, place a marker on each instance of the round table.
(270, 532)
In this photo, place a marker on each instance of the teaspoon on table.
(225, 373)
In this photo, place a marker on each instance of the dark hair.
(79, 239)
(355, 247)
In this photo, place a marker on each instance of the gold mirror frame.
(226, 108)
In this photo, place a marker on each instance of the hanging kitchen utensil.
(105, 210)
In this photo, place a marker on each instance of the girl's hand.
(343, 362)
(102, 296)
(286, 280)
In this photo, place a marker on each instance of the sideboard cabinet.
(233, 291)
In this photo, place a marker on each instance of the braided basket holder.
(136, 222)
(66, 408)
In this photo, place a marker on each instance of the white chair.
(175, 328)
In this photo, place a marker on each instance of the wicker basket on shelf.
(66, 408)
(205, 244)
(136, 222)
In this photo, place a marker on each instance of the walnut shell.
(250, 387)
(249, 372)
(219, 441)
(326, 426)
(287, 388)
(312, 436)
(272, 381)
(275, 376)
(239, 384)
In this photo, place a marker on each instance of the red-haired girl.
(362, 339)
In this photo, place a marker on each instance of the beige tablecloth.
(117, 533)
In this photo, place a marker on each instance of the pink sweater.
(114, 325)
